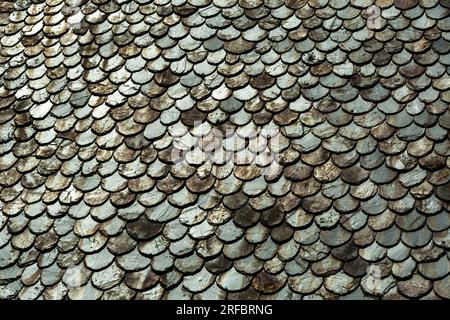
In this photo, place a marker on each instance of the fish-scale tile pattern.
(224, 149)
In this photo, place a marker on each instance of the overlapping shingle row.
(224, 149)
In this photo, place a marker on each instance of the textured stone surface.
(224, 149)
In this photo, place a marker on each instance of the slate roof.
(113, 185)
